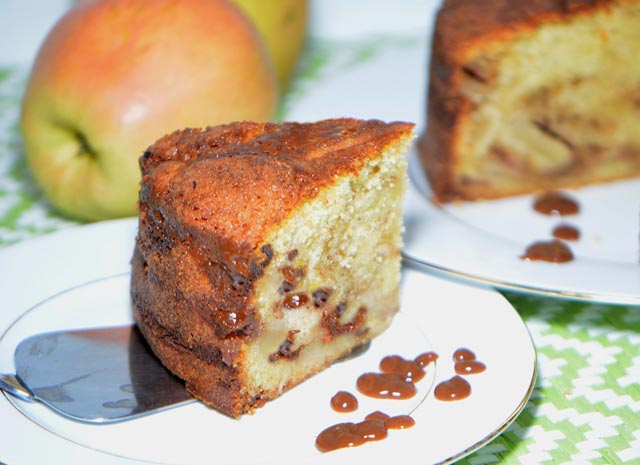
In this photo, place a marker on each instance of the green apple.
(112, 76)
(283, 25)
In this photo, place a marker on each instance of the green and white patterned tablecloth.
(586, 404)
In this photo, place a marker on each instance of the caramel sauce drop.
(377, 415)
(425, 359)
(466, 363)
(463, 354)
(456, 388)
(344, 401)
(566, 232)
(554, 251)
(410, 370)
(385, 386)
(399, 422)
(350, 435)
(294, 301)
(469, 367)
(374, 428)
(555, 203)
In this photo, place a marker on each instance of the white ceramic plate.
(436, 315)
(483, 241)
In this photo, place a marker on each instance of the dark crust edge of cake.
(210, 379)
(287, 161)
(459, 25)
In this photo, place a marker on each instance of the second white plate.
(483, 241)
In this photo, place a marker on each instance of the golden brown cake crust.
(461, 22)
(208, 199)
(460, 26)
(286, 160)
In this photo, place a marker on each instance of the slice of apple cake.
(536, 95)
(267, 251)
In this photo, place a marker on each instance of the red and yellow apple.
(283, 25)
(113, 76)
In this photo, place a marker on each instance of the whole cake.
(267, 251)
(532, 95)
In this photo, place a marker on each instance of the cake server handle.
(12, 385)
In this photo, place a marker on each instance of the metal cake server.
(100, 375)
